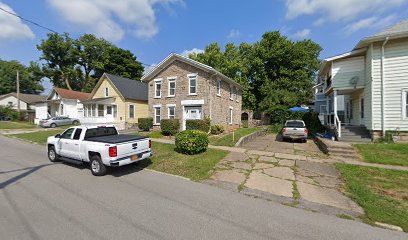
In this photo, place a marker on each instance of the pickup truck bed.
(114, 139)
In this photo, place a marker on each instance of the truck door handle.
(76, 144)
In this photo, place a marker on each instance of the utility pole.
(18, 91)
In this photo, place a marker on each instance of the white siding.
(40, 112)
(367, 90)
(395, 80)
(345, 69)
(70, 108)
(5, 101)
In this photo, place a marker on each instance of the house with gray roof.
(371, 81)
(116, 100)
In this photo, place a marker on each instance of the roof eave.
(368, 40)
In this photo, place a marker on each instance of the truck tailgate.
(132, 147)
(295, 131)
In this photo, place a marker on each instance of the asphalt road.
(40, 200)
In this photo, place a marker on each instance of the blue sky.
(151, 29)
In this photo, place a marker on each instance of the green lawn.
(195, 167)
(155, 134)
(383, 193)
(39, 137)
(16, 125)
(393, 154)
(226, 140)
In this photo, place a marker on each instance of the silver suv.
(295, 129)
(59, 121)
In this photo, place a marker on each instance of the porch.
(98, 110)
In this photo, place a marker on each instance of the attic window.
(106, 92)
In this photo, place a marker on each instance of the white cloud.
(234, 33)
(149, 68)
(371, 22)
(194, 50)
(333, 10)
(302, 34)
(104, 17)
(11, 27)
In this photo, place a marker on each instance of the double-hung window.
(157, 114)
(231, 94)
(131, 111)
(230, 114)
(171, 111)
(157, 88)
(172, 87)
(192, 84)
(218, 87)
(101, 109)
(106, 92)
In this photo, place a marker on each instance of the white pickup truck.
(101, 146)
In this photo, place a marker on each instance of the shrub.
(191, 142)
(169, 126)
(145, 123)
(244, 123)
(312, 122)
(198, 124)
(8, 111)
(217, 129)
(275, 128)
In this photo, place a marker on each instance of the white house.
(27, 102)
(373, 77)
(61, 102)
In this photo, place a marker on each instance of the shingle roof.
(69, 94)
(27, 98)
(130, 89)
(398, 28)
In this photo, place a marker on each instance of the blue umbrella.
(298, 109)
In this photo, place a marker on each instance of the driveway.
(40, 200)
(296, 174)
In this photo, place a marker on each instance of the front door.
(362, 111)
(191, 112)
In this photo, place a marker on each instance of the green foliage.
(77, 64)
(312, 122)
(170, 126)
(275, 128)
(217, 129)
(9, 112)
(30, 82)
(191, 142)
(145, 124)
(276, 72)
(198, 124)
(244, 123)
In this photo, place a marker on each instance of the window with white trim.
(218, 87)
(192, 84)
(405, 103)
(234, 89)
(172, 87)
(157, 115)
(115, 111)
(237, 96)
(106, 92)
(171, 112)
(231, 92)
(157, 89)
(230, 116)
(131, 111)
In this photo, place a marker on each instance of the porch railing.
(337, 123)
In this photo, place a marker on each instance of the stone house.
(182, 88)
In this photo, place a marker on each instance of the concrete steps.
(355, 134)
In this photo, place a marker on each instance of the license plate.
(134, 157)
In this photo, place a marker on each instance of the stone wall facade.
(215, 106)
(397, 136)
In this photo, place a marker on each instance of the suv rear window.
(99, 132)
(295, 124)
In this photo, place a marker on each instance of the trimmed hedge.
(191, 142)
(198, 124)
(217, 129)
(169, 126)
(145, 124)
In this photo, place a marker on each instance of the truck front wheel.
(52, 154)
(97, 167)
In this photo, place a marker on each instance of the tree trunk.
(66, 80)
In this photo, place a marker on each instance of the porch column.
(335, 104)
(326, 117)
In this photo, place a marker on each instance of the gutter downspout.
(383, 88)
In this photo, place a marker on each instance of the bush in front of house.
(244, 123)
(313, 123)
(217, 129)
(198, 124)
(8, 111)
(191, 142)
(275, 128)
(145, 124)
(169, 127)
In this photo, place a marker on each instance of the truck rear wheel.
(97, 167)
(52, 154)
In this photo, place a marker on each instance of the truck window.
(77, 133)
(67, 134)
(99, 132)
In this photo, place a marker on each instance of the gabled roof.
(70, 94)
(128, 88)
(27, 98)
(399, 30)
(340, 56)
(174, 56)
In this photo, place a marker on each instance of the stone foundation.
(397, 136)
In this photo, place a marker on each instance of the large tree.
(276, 72)
(30, 80)
(77, 64)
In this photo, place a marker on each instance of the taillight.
(150, 143)
(113, 151)
(284, 130)
(306, 130)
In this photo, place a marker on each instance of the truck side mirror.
(58, 136)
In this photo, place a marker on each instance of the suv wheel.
(97, 167)
(75, 122)
(52, 154)
(53, 125)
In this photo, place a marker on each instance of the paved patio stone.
(236, 157)
(301, 178)
(307, 173)
(327, 196)
(290, 156)
(267, 159)
(318, 168)
(287, 163)
(280, 172)
(272, 185)
(328, 181)
(233, 176)
(263, 165)
(261, 153)
(241, 165)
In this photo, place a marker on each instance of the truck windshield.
(295, 124)
(99, 132)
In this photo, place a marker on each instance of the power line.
(28, 20)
